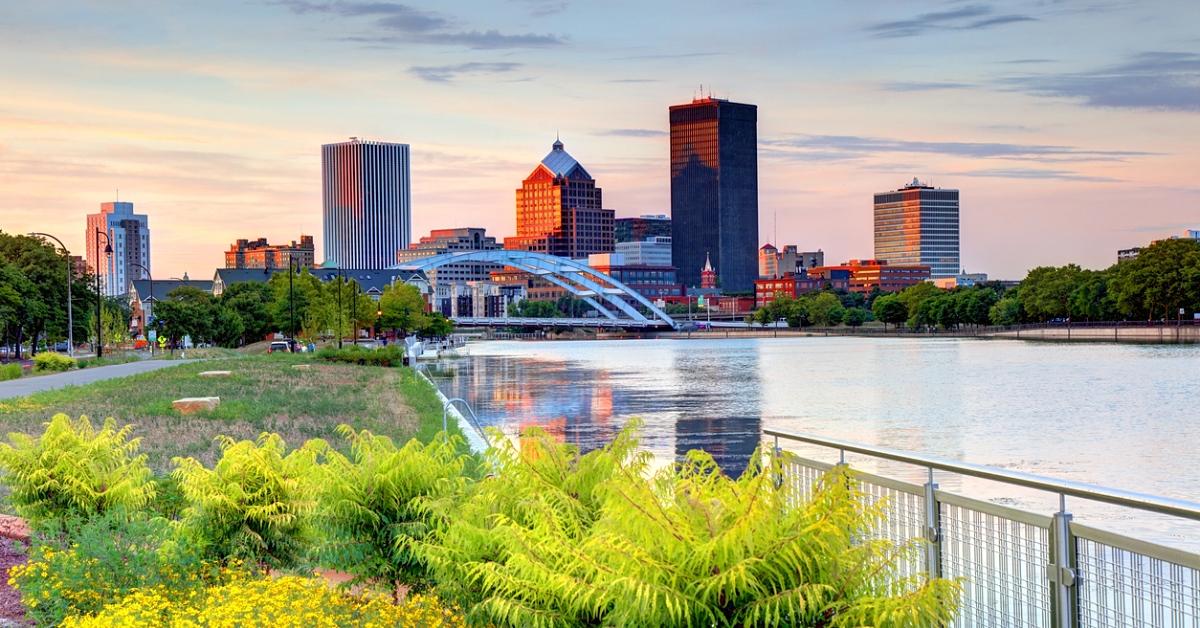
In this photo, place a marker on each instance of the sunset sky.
(1072, 128)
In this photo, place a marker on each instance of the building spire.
(558, 145)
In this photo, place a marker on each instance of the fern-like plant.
(687, 546)
(525, 485)
(372, 510)
(74, 470)
(255, 504)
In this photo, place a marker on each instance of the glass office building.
(367, 203)
(917, 225)
(714, 191)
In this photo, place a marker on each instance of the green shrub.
(522, 485)
(371, 513)
(391, 355)
(10, 371)
(685, 547)
(100, 560)
(73, 470)
(47, 361)
(255, 504)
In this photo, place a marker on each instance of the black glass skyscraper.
(714, 191)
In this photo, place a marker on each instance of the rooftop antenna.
(118, 195)
(775, 235)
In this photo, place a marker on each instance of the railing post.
(445, 411)
(933, 530)
(1064, 595)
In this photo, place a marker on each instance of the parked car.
(62, 346)
(280, 346)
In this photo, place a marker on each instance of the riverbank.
(262, 393)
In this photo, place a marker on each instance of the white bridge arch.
(605, 294)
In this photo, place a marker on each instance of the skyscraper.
(560, 210)
(917, 225)
(714, 191)
(129, 235)
(367, 202)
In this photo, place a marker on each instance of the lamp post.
(149, 297)
(99, 297)
(375, 327)
(70, 309)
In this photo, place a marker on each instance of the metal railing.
(1021, 568)
(474, 420)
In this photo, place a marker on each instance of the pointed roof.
(562, 164)
(707, 265)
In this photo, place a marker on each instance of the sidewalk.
(29, 385)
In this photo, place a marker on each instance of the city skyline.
(1053, 119)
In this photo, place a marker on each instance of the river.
(1124, 416)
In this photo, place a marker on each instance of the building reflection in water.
(701, 408)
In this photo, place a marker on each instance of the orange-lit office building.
(560, 210)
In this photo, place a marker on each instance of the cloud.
(803, 147)
(633, 132)
(669, 55)
(543, 8)
(1158, 81)
(970, 17)
(1035, 173)
(923, 86)
(447, 73)
(397, 23)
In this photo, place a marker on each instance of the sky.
(1072, 129)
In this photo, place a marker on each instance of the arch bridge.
(609, 297)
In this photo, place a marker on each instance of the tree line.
(1162, 283)
(307, 309)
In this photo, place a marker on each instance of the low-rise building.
(650, 281)
(797, 284)
(867, 275)
(460, 239)
(963, 280)
(476, 298)
(650, 251)
(259, 253)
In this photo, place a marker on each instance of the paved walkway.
(29, 385)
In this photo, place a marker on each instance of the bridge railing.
(1021, 568)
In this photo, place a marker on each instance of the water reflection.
(1115, 415)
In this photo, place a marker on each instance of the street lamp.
(354, 312)
(107, 251)
(149, 297)
(341, 280)
(375, 327)
(70, 315)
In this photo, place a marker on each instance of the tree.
(1006, 311)
(403, 308)
(889, 309)
(825, 309)
(438, 326)
(854, 317)
(913, 296)
(528, 308)
(250, 300)
(304, 292)
(1163, 278)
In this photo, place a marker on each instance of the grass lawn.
(264, 394)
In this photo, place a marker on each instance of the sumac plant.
(559, 539)
(373, 510)
(255, 504)
(75, 470)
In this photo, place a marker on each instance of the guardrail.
(1021, 568)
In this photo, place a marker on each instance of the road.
(29, 385)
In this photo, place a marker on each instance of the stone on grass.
(301, 367)
(216, 373)
(192, 405)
